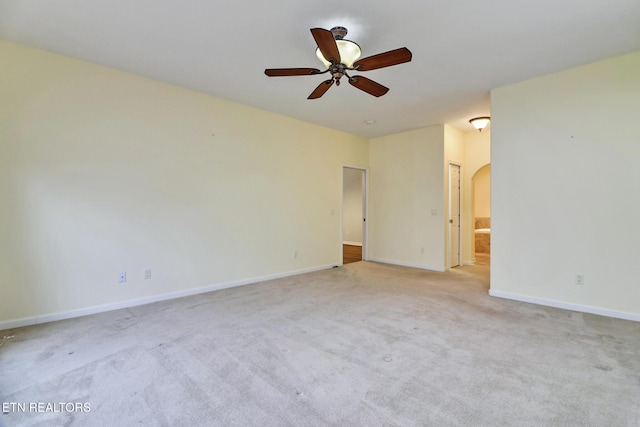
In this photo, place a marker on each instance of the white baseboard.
(352, 243)
(52, 317)
(406, 264)
(567, 305)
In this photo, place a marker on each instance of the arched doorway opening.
(481, 187)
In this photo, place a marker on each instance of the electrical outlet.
(579, 279)
(122, 277)
(147, 274)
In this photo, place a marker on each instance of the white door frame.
(365, 209)
(449, 216)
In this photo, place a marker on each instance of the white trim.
(406, 264)
(52, 317)
(567, 305)
(345, 242)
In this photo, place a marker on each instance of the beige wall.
(102, 171)
(565, 156)
(406, 198)
(409, 172)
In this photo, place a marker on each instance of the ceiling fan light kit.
(339, 56)
(348, 50)
(349, 53)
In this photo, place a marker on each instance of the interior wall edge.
(63, 315)
(601, 311)
(407, 264)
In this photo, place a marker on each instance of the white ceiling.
(461, 49)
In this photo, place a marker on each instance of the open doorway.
(354, 218)
(481, 183)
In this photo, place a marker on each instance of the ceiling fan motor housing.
(339, 32)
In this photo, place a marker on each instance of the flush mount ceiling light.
(480, 122)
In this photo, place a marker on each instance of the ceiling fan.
(340, 56)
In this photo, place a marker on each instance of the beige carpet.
(362, 345)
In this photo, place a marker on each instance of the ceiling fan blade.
(321, 89)
(327, 44)
(284, 72)
(386, 59)
(368, 85)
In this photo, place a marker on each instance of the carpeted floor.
(362, 345)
